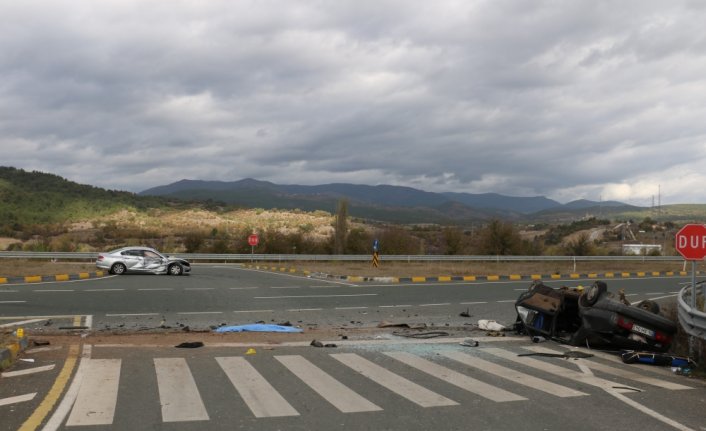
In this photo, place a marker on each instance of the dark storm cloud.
(584, 99)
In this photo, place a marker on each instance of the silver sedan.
(141, 260)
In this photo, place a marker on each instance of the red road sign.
(253, 240)
(690, 241)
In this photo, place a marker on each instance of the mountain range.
(396, 204)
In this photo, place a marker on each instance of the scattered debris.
(422, 335)
(469, 343)
(386, 324)
(572, 354)
(465, 313)
(48, 323)
(40, 343)
(257, 327)
(190, 345)
(651, 358)
(288, 323)
(344, 337)
(538, 339)
(490, 325)
(316, 343)
(495, 334)
(251, 351)
(330, 345)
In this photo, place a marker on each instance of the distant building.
(641, 249)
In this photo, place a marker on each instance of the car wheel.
(590, 297)
(650, 306)
(118, 269)
(175, 269)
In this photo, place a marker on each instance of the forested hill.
(37, 197)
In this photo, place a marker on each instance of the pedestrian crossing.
(350, 382)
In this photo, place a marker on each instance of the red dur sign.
(690, 241)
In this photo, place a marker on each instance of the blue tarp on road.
(258, 327)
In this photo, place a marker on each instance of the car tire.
(590, 297)
(650, 306)
(175, 269)
(118, 269)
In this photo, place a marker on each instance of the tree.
(581, 245)
(499, 238)
(340, 227)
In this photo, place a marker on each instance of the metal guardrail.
(195, 257)
(692, 320)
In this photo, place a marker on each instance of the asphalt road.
(220, 294)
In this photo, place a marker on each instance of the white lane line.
(201, 312)
(316, 296)
(472, 303)
(616, 372)
(405, 388)
(155, 289)
(98, 394)
(631, 294)
(330, 389)
(285, 287)
(513, 375)
(253, 311)
(435, 305)
(12, 302)
(17, 399)
(103, 290)
(199, 288)
(393, 306)
(655, 293)
(28, 371)
(178, 394)
(350, 308)
(455, 378)
(9, 291)
(43, 349)
(262, 399)
(53, 290)
(132, 314)
(507, 300)
(242, 288)
(305, 309)
(550, 368)
(89, 321)
(22, 322)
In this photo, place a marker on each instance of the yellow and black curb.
(50, 278)
(9, 352)
(450, 278)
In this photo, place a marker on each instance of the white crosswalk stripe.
(397, 384)
(180, 397)
(263, 400)
(333, 391)
(178, 393)
(98, 394)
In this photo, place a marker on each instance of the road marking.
(53, 290)
(178, 394)
(17, 399)
(455, 378)
(199, 288)
(557, 370)
(305, 309)
(285, 287)
(350, 308)
(507, 300)
(617, 372)
(513, 375)
(89, 321)
(9, 291)
(393, 306)
(43, 349)
(316, 296)
(243, 288)
(201, 312)
(33, 422)
(333, 391)
(23, 322)
(28, 371)
(472, 303)
(132, 314)
(393, 382)
(253, 311)
(98, 394)
(435, 305)
(103, 290)
(12, 302)
(261, 398)
(151, 290)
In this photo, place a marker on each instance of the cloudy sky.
(580, 99)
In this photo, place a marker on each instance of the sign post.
(376, 256)
(253, 240)
(690, 242)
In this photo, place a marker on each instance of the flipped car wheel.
(175, 269)
(650, 306)
(594, 292)
(117, 269)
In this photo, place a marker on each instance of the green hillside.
(28, 198)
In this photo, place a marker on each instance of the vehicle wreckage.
(592, 318)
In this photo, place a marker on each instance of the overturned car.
(592, 318)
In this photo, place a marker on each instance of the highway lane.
(230, 294)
